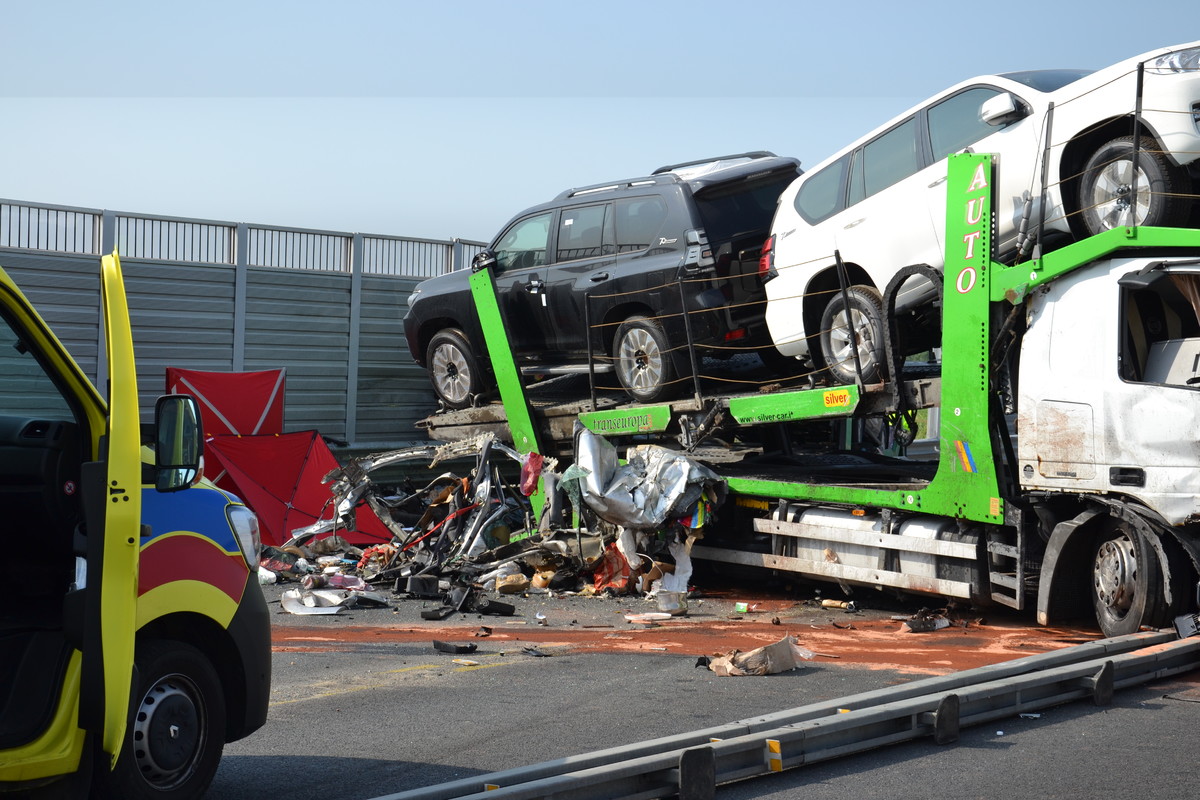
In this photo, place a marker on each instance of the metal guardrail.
(89, 231)
(691, 765)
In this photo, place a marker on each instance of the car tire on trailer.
(642, 357)
(1105, 198)
(866, 316)
(453, 368)
(177, 731)
(1127, 587)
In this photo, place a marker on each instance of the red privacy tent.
(279, 477)
(243, 403)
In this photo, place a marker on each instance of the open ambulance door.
(112, 569)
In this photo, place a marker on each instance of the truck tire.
(642, 356)
(866, 316)
(453, 368)
(1104, 191)
(1127, 584)
(176, 731)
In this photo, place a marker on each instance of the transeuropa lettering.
(636, 422)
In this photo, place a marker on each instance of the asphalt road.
(362, 718)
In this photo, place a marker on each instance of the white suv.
(881, 203)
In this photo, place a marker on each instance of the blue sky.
(445, 119)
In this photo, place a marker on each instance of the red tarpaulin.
(240, 403)
(279, 478)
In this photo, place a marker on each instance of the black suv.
(612, 267)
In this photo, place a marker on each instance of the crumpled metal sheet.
(655, 484)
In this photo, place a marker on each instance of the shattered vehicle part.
(655, 484)
(351, 483)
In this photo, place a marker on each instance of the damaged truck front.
(140, 642)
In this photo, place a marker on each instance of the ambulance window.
(26, 389)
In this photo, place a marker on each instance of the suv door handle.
(856, 222)
(599, 276)
(938, 182)
(534, 286)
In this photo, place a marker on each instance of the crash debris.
(609, 526)
(786, 654)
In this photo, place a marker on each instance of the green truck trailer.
(1063, 471)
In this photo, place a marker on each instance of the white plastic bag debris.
(296, 601)
(681, 552)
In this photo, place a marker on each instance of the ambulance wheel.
(177, 730)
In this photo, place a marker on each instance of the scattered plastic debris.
(925, 621)
(296, 601)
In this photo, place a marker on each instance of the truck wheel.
(177, 730)
(866, 317)
(1105, 190)
(642, 356)
(453, 368)
(1126, 583)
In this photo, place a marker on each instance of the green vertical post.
(508, 377)
(966, 484)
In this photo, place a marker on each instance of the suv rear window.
(638, 220)
(726, 214)
(821, 194)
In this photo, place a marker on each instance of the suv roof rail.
(662, 175)
(609, 186)
(751, 154)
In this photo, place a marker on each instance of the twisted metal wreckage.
(605, 527)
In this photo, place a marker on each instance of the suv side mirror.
(484, 259)
(1002, 109)
(178, 442)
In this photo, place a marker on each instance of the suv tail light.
(699, 254)
(766, 261)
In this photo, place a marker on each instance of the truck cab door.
(113, 561)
